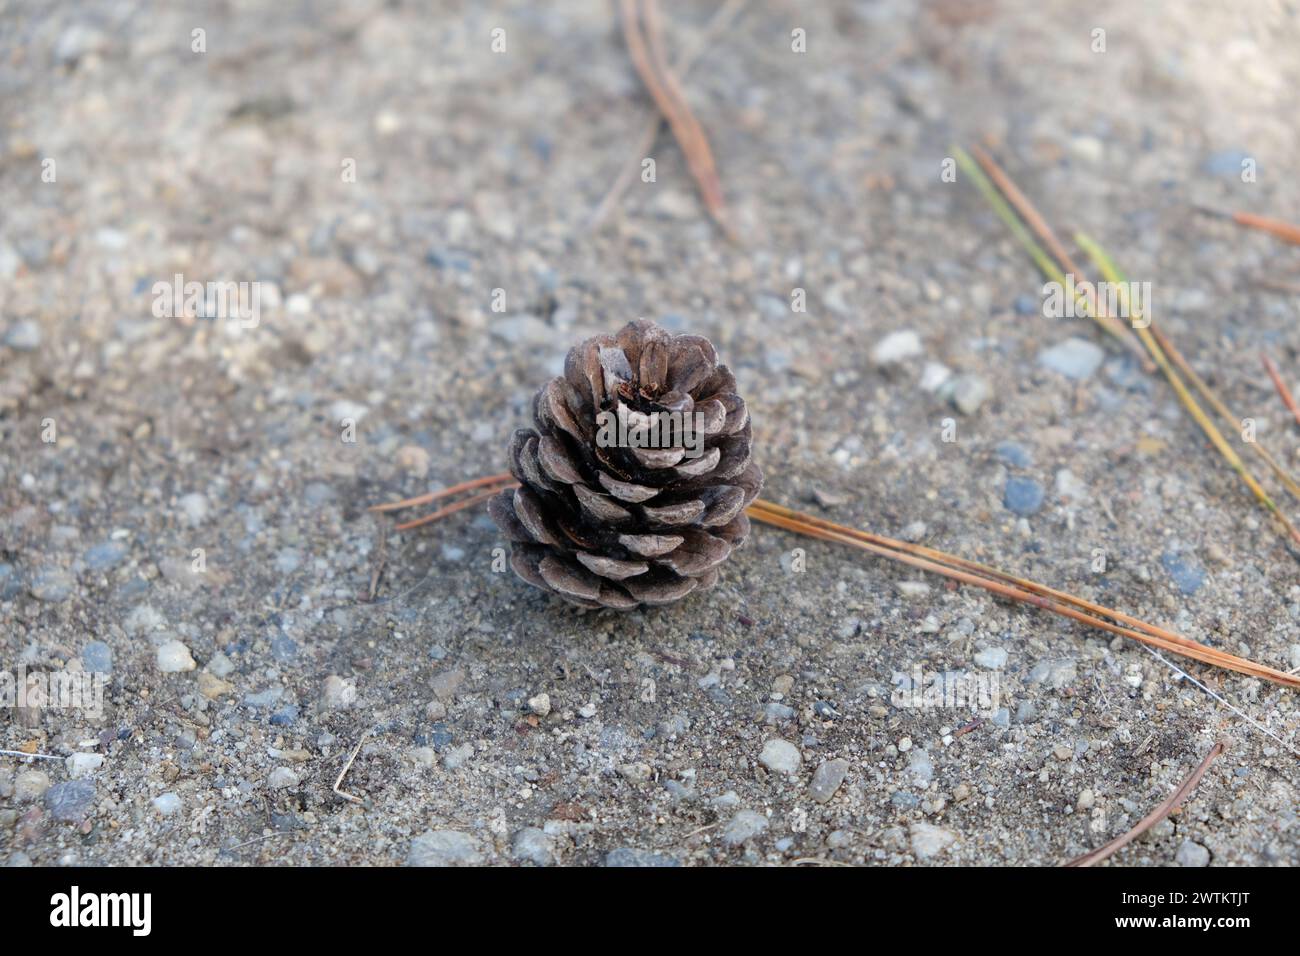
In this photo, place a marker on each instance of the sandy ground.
(183, 510)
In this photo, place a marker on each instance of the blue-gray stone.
(285, 716)
(104, 556)
(71, 801)
(97, 657)
(23, 336)
(1074, 358)
(1026, 304)
(1225, 163)
(1023, 496)
(284, 648)
(630, 856)
(11, 582)
(1187, 572)
(51, 584)
(1013, 453)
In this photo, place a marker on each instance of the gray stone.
(895, 347)
(51, 585)
(1191, 853)
(167, 803)
(445, 848)
(174, 657)
(534, 846)
(24, 336)
(631, 856)
(30, 785)
(70, 802)
(105, 556)
(827, 779)
(194, 509)
(446, 685)
(780, 756)
(1013, 453)
(745, 825)
(97, 657)
(281, 778)
(1023, 496)
(969, 392)
(1074, 358)
(991, 658)
(928, 840)
(1187, 572)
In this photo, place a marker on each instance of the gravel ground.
(183, 511)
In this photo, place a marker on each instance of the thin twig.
(1280, 385)
(1154, 817)
(353, 798)
(23, 753)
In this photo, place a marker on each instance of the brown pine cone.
(634, 483)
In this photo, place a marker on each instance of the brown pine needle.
(446, 492)
(1112, 274)
(721, 20)
(451, 509)
(938, 562)
(1280, 385)
(642, 29)
(1275, 227)
(1155, 816)
(1176, 357)
(1025, 592)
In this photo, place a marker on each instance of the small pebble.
(1074, 358)
(991, 658)
(167, 803)
(1023, 496)
(780, 756)
(83, 764)
(1191, 853)
(540, 705)
(24, 336)
(70, 802)
(895, 347)
(444, 848)
(174, 657)
(630, 856)
(97, 657)
(281, 778)
(969, 392)
(745, 825)
(928, 841)
(827, 779)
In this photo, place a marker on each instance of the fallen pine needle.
(1275, 227)
(1112, 274)
(1016, 589)
(1280, 385)
(721, 20)
(958, 569)
(642, 29)
(1154, 817)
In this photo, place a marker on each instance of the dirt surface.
(198, 504)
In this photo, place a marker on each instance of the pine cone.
(633, 485)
